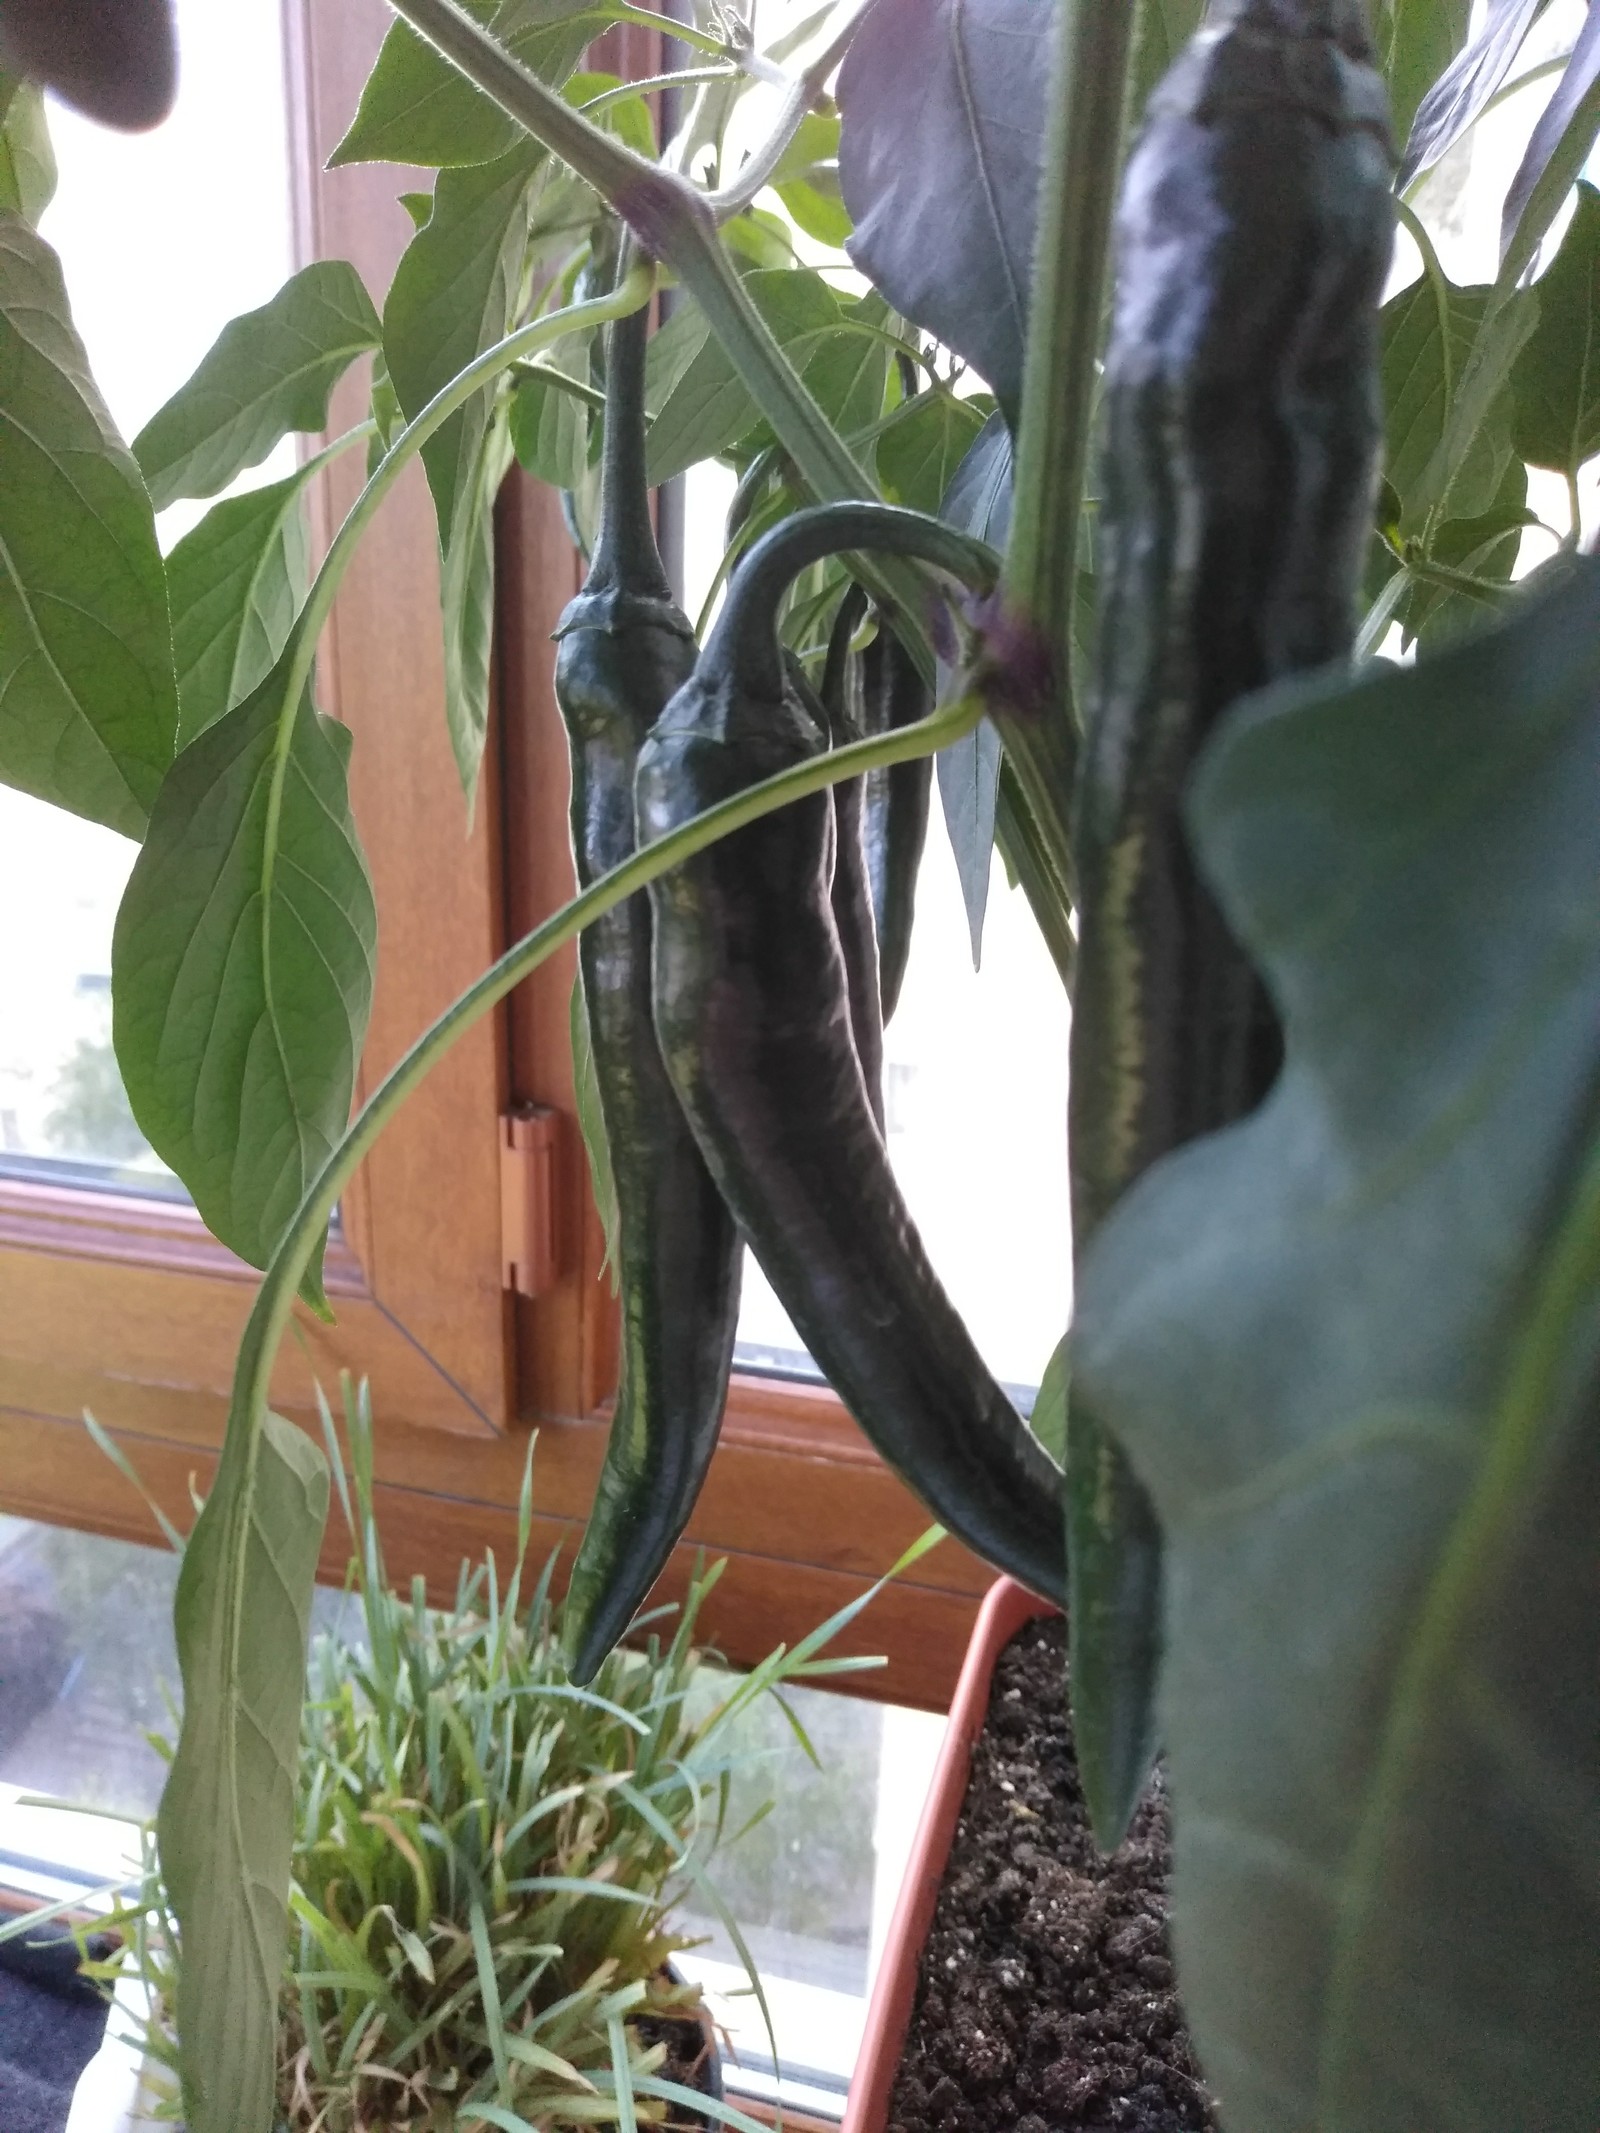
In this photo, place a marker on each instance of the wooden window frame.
(127, 1307)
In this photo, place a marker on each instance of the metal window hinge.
(527, 1200)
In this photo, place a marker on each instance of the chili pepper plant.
(1107, 424)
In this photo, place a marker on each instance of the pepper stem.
(625, 551)
(745, 636)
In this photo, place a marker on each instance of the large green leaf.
(1351, 1345)
(1556, 378)
(27, 159)
(454, 294)
(236, 582)
(268, 372)
(226, 1825)
(242, 966)
(88, 704)
(1468, 457)
(709, 406)
(943, 103)
(1421, 371)
(416, 107)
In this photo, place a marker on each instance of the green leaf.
(466, 599)
(760, 239)
(550, 432)
(849, 373)
(592, 1125)
(1467, 461)
(708, 407)
(920, 450)
(416, 108)
(27, 158)
(968, 772)
(673, 347)
(236, 582)
(1417, 40)
(88, 702)
(1418, 390)
(269, 372)
(816, 205)
(226, 1823)
(976, 497)
(242, 967)
(1049, 1418)
(454, 294)
(814, 147)
(1556, 378)
(1351, 1346)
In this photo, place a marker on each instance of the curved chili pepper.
(1242, 430)
(624, 646)
(895, 816)
(851, 892)
(753, 1015)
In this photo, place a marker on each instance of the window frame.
(130, 1309)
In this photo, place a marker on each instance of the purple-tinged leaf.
(1558, 151)
(1466, 85)
(942, 104)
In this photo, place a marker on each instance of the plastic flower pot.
(1006, 1607)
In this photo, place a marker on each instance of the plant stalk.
(1091, 78)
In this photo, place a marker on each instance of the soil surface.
(1045, 1999)
(689, 2062)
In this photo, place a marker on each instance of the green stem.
(669, 26)
(1486, 590)
(648, 84)
(318, 460)
(275, 1298)
(578, 388)
(1574, 538)
(1083, 155)
(801, 95)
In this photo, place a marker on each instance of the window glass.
(163, 237)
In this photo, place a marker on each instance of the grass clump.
(486, 1857)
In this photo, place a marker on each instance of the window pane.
(163, 237)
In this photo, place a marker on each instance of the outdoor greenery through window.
(132, 228)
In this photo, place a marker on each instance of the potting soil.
(1045, 1999)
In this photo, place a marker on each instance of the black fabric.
(47, 2038)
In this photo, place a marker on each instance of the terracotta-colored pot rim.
(1006, 1607)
